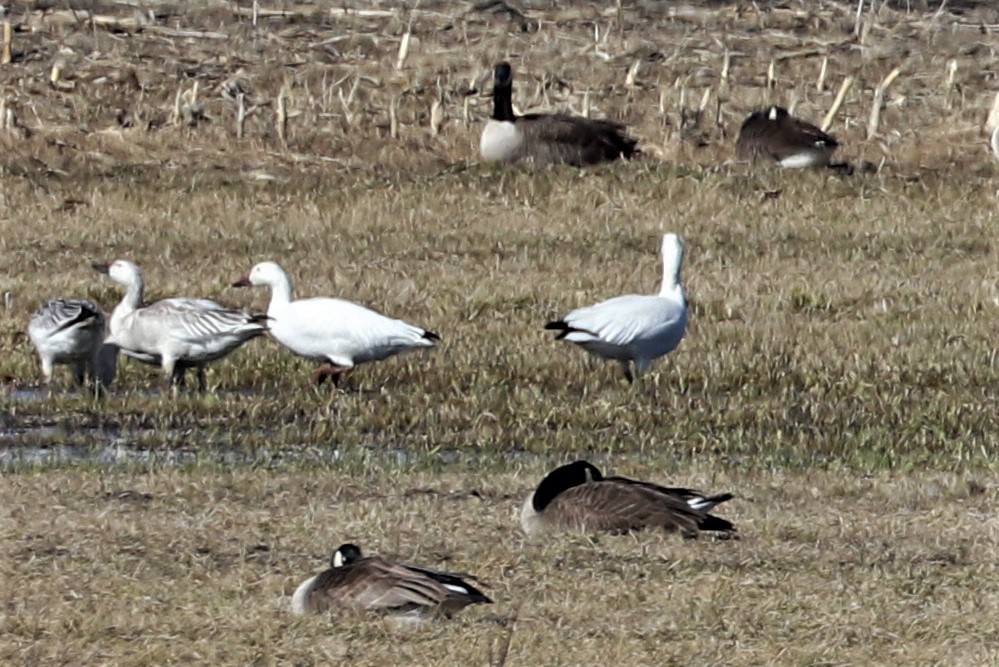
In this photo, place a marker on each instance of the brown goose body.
(578, 497)
(548, 138)
(775, 135)
(372, 583)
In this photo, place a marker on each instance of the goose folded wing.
(624, 319)
(619, 507)
(389, 586)
(196, 321)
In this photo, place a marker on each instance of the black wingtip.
(557, 325)
(430, 335)
(717, 524)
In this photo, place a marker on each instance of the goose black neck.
(503, 102)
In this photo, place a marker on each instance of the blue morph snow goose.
(176, 333)
(634, 329)
(372, 583)
(71, 332)
(547, 138)
(336, 333)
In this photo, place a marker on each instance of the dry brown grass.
(168, 567)
(843, 326)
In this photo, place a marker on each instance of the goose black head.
(502, 75)
(345, 555)
(562, 478)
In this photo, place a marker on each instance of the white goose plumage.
(71, 331)
(335, 332)
(177, 333)
(635, 328)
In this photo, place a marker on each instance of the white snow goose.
(372, 583)
(634, 328)
(547, 138)
(578, 497)
(334, 332)
(71, 332)
(774, 134)
(176, 333)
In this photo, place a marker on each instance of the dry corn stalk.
(820, 85)
(436, 117)
(879, 97)
(992, 120)
(393, 118)
(844, 88)
(282, 117)
(8, 38)
(772, 75)
(240, 114)
(630, 81)
(403, 51)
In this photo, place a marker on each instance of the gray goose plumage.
(372, 583)
(577, 496)
(176, 333)
(774, 134)
(547, 138)
(71, 332)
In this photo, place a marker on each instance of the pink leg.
(329, 371)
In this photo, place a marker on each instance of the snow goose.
(633, 328)
(774, 134)
(547, 138)
(177, 333)
(372, 583)
(336, 333)
(577, 496)
(71, 331)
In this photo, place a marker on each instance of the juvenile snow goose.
(774, 134)
(577, 496)
(634, 328)
(71, 332)
(176, 333)
(547, 138)
(334, 332)
(372, 583)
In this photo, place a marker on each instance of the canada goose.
(337, 333)
(71, 331)
(577, 496)
(177, 333)
(547, 138)
(774, 134)
(372, 583)
(634, 328)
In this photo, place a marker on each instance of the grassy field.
(839, 375)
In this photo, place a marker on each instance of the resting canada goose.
(71, 331)
(634, 328)
(547, 138)
(177, 333)
(372, 583)
(577, 496)
(774, 134)
(336, 333)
